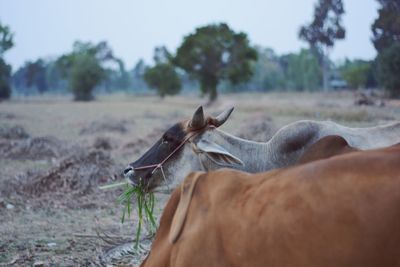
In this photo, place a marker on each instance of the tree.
(389, 69)
(35, 75)
(213, 53)
(386, 39)
(357, 73)
(163, 78)
(301, 71)
(322, 32)
(56, 82)
(83, 67)
(122, 80)
(268, 72)
(117, 77)
(5, 74)
(162, 55)
(6, 43)
(38, 77)
(137, 73)
(386, 28)
(85, 74)
(6, 39)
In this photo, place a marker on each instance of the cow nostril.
(127, 170)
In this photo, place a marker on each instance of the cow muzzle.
(129, 174)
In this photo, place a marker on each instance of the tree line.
(215, 58)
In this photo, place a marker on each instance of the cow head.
(190, 145)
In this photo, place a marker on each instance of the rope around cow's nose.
(160, 165)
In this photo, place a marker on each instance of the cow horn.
(198, 120)
(221, 118)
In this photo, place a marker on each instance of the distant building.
(337, 84)
(336, 81)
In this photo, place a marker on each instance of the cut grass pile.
(144, 206)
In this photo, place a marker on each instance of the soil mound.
(37, 148)
(258, 128)
(7, 116)
(103, 143)
(368, 98)
(14, 132)
(79, 174)
(105, 127)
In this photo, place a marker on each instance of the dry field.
(54, 153)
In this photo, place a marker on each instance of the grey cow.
(197, 144)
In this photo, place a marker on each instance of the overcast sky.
(133, 28)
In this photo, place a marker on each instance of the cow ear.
(218, 154)
(198, 121)
(187, 188)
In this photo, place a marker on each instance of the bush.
(389, 69)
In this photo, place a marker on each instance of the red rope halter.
(160, 165)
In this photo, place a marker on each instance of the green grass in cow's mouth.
(144, 201)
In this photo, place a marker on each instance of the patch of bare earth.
(32, 200)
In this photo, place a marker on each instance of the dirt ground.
(54, 153)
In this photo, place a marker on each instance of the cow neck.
(253, 154)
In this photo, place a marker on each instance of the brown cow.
(342, 211)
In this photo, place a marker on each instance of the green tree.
(38, 76)
(162, 55)
(85, 74)
(5, 74)
(214, 53)
(35, 75)
(137, 73)
(386, 28)
(356, 73)
(6, 43)
(117, 77)
(163, 78)
(6, 39)
(83, 68)
(302, 71)
(389, 69)
(268, 72)
(122, 80)
(55, 80)
(322, 32)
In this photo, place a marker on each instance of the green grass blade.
(145, 203)
(113, 185)
(149, 215)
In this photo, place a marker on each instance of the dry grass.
(27, 231)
